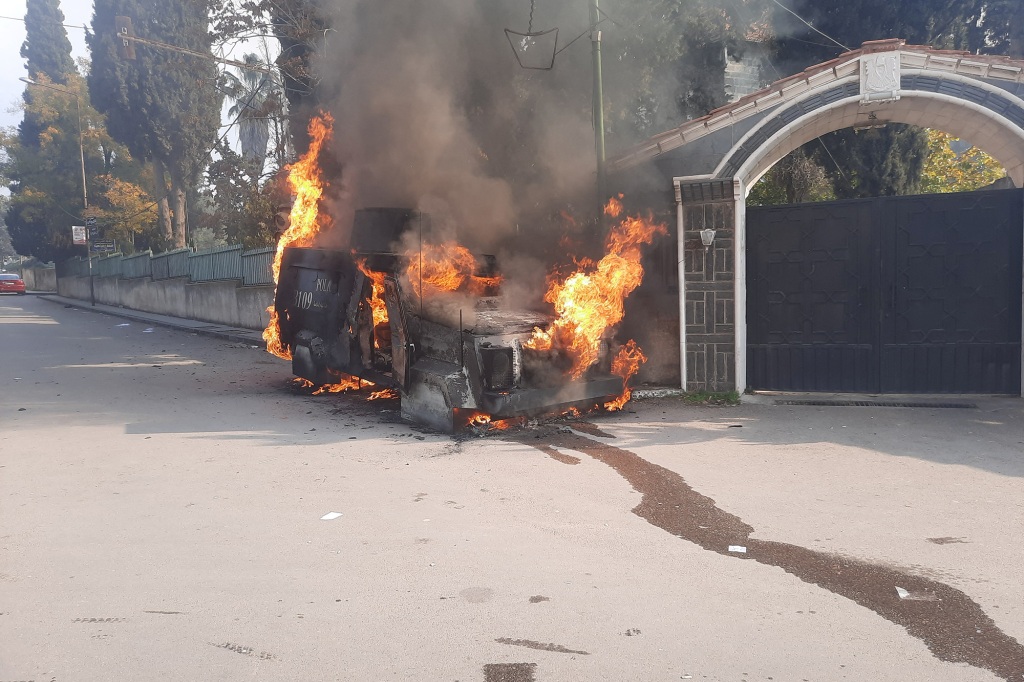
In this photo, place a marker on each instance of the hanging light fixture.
(534, 49)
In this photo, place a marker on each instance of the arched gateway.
(710, 164)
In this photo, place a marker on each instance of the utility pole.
(595, 41)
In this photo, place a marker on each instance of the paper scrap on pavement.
(915, 596)
(330, 516)
(147, 331)
(124, 324)
(738, 548)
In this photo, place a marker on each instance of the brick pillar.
(710, 285)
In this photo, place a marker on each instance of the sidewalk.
(248, 336)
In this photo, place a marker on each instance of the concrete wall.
(40, 279)
(223, 302)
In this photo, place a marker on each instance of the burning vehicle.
(368, 313)
(412, 312)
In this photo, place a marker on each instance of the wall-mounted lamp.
(707, 238)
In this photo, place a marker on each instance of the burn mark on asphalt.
(509, 672)
(591, 429)
(954, 627)
(556, 455)
(246, 651)
(946, 541)
(540, 646)
(538, 598)
(167, 613)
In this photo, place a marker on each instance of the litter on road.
(330, 516)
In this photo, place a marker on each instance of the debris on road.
(738, 548)
(330, 516)
(915, 596)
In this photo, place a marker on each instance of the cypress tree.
(46, 51)
(164, 105)
(46, 48)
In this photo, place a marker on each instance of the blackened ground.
(950, 623)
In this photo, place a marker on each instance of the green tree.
(6, 247)
(47, 52)
(946, 170)
(164, 105)
(46, 49)
(45, 177)
(237, 204)
(257, 109)
(876, 162)
(796, 179)
(301, 29)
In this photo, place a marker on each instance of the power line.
(810, 26)
(22, 20)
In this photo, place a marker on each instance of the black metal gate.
(914, 294)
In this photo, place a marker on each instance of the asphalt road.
(162, 495)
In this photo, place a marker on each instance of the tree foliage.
(237, 204)
(45, 177)
(47, 53)
(6, 247)
(46, 49)
(257, 108)
(796, 179)
(301, 29)
(164, 105)
(949, 171)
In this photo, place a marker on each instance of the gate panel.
(812, 314)
(952, 318)
(899, 295)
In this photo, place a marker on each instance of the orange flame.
(626, 363)
(439, 268)
(445, 268)
(482, 420)
(272, 335)
(306, 221)
(346, 382)
(385, 394)
(377, 304)
(591, 300)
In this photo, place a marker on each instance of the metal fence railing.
(252, 267)
(224, 262)
(108, 266)
(139, 265)
(256, 266)
(170, 264)
(74, 267)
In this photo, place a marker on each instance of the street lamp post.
(85, 191)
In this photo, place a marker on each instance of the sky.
(12, 35)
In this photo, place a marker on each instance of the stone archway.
(713, 161)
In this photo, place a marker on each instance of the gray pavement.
(162, 504)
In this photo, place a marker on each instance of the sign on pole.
(104, 246)
(78, 235)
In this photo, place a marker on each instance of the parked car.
(11, 283)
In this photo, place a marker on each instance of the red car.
(11, 283)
